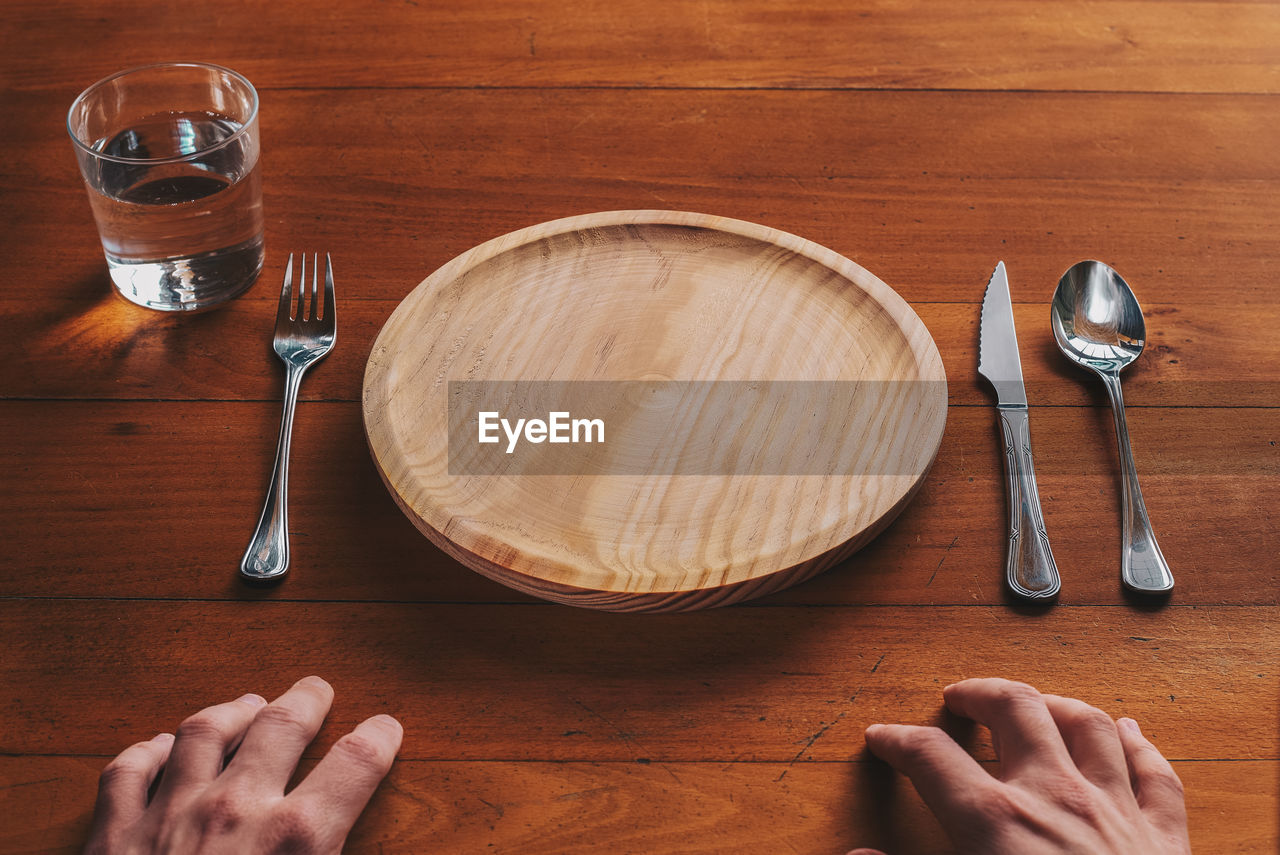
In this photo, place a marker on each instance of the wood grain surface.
(924, 141)
(767, 682)
(1174, 191)
(702, 808)
(1131, 45)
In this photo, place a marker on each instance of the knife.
(1029, 567)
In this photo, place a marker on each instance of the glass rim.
(178, 158)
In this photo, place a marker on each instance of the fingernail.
(162, 737)
(1130, 725)
(315, 681)
(253, 700)
(872, 728)
(383, 718)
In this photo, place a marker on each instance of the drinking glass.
(169, 155)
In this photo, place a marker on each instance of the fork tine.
(286, 296)
(302, 290)
(329, 307)
(315, 274)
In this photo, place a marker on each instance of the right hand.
(1071, 779)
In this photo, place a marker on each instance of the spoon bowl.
(1097, 321)
(1098, 325)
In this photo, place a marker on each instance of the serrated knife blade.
(1030, 571)
(998, 342)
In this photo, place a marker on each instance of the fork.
(305, 332)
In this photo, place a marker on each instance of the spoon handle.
(1143, 568)
(1029, 567)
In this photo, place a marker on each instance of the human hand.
(202, 807)
(1071, 779)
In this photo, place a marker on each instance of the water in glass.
(179, 230)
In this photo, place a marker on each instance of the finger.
(1093, 742)
(943, 773)
(865, 852)
(123, 786)
(1156, 786)
(1022, 730)
(279, 734)
(203, 742)
(344, 780)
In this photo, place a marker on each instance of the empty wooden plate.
(656, 296)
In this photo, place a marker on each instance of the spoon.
(1098, 325)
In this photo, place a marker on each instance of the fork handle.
(267, 557)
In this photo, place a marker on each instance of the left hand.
(242, 809)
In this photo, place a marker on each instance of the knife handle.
(1029, 567)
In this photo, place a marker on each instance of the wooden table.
(923, 140)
